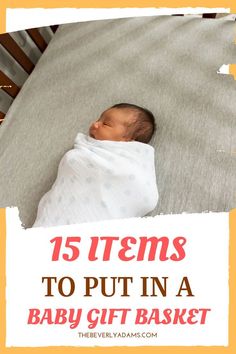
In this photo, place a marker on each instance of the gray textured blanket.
(167, 64)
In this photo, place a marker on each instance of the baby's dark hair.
(144, 126)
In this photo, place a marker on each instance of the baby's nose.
(96, 124)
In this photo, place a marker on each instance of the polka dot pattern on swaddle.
(73, 162)
(132, 177)
(123, 209)
(72, 199)
(103, 204)
(87, 200)
(72, 179)
(108, 170)
(103, 181)
(90, 165)
(89, 180)
(123, 154)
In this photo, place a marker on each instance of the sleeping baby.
(108, 174)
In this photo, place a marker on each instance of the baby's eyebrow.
(107, 118)
(102, 115)
(108, 121)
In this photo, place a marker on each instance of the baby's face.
(113, 125)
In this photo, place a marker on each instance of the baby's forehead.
(122, 115)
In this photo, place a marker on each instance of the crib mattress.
(167, 64)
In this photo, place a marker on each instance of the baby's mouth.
(91, 134)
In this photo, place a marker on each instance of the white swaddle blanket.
(99, 180)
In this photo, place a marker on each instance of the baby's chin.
(97, 137)
(92, 135)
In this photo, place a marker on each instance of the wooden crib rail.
(2, 115)
(208, 15)
(11, 46)
(54, 28)
(8, 85)
(37, 38)
(16, 52)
